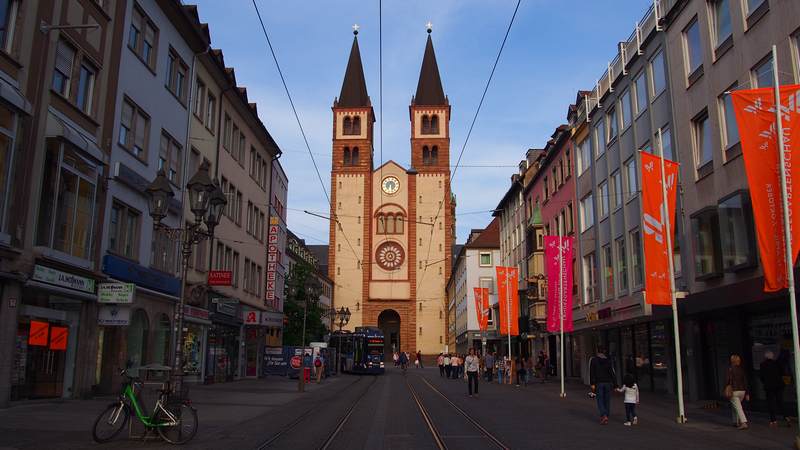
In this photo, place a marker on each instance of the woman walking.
(736, 391)
(472, 364)
(772, 379)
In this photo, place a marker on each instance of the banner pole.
(676, 329)
(508, 315)
(787, 232)
(561, 309)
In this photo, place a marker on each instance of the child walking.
(631, 391)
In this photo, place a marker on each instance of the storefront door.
(40, 359)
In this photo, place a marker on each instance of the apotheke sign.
(116, 292)
(64, 279)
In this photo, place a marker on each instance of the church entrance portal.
(389, 323)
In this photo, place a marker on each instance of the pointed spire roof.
(429, 86)
(354, 88)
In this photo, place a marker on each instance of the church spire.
(429, 86)
(354, 88)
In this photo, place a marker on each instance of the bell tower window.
(390, 223)
(347, 125)
(354, 161)
(434, 128)
(426, 124)
(434, 159)
(347, 157)
(426, 155)
(356, 130)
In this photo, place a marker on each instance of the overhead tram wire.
(471, 126)
(299, 124)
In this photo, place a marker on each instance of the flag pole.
(676, 329)
(561, 309)
(508, 316)
(787, 232)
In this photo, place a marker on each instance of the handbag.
(728, 391)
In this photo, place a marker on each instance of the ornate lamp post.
(342, 318)
(206, 200)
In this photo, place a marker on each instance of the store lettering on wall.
(64, 279)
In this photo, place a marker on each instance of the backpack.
(317, 363)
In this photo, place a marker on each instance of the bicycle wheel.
(110, 422)
(186, 427)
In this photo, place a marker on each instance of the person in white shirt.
(472, 365)
(631, 391)
(448, 364)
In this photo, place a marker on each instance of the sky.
(554, 49)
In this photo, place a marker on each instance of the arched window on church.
(354, 160)
(434, 159)
(390, 224)
(398, 224)
(381, 224)
(347, 125)
(434, 124)
(356, 125)
(426, 124)
(426, 155)
(346, 160)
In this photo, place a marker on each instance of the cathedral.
(392, 228)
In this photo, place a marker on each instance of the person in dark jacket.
(737, 380)
(772, 379)
(602, 378)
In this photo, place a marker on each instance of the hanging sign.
(115, 292)
(251, 317)
(114, 315)
(558, 282)
(220, 277)
(58, 338)
(272, 263)
(38, 333)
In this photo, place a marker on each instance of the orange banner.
(58, 338)
(481, 297)
(507, 278)
(485, 307)
(755, 115)
(654, 227)
(38, 333)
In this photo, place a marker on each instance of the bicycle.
(173, 416)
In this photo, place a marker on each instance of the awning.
(57, 127)
(12, 95)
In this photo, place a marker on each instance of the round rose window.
(390, 255)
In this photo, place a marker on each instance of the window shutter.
(64, 57)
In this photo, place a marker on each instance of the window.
(487, 283)
(587, 212)
(169, 158)
(134, 129)
(199, 98)
(546, 189)
(762, 73)
(616, 185)
(636, 258)
(356, 125)
(486, 259)
(8, 17)
(567, 164)
(434, 124)
(570, 224)
(658, 73)
(632, 178)
(246, 282)
(62, 72)
(235, 270)
(354, 160)
(211, 113)
(625, 104)
(164, 252)
(176, 75)
(241, 149)
(589, 278)
(8, 132)
(608, 272)
(67, 202)
(585, 156)
(238, 209)
(611, 117)
(600, 137)
(641, 92)
(730, 130)
(665, 143)
(705, 237)
(722, 21)
(622, 265)
(85, 88)
(226, 132)
(701, 129)
(142, 37)
(235, 142)
(736, 232)
(602, 200)
(752, 5)
(692, 47)
(123, 230)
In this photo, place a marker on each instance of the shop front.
(224, 341)
(254, 337)
(196, 324)
(52, 337)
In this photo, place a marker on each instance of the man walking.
(602, 378)
(419, 360)
(440, 363)
(488, 365)
(472, 366)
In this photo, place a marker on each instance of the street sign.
(220, 278)
(296, 362)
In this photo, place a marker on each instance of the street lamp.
(342, 317)
(311, 291)
(206, 201)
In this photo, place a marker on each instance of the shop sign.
(272, 263)
(114, 315)
(271, 319)
(251, 317)
(220, 278)
(226, 306)
(64, 279)
(591, 316)
(115, 292)
(58, 338)
(38, 333)
(197, 313)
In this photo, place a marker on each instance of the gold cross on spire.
(429, 26)
(355, 28)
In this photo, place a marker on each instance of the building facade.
(392, 228)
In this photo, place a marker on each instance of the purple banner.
(558, 281)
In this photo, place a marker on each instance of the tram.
(361, 350)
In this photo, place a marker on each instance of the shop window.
(67, 202)
(737, 236)
(8, 133)
(705, 237)
(137, 340)
(161, 346)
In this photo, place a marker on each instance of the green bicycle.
(173, 417)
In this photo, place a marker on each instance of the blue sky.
(555, 48)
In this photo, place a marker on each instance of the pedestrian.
(307, 363)
(541, 366)
(501, 371)
(488, 364)
(440, 363)
(319, 366)
(403, 360)
(630, 391)
(520, 370)
(528, 370)
(472, 364)
(396, 358)
(419, 360)
(602, 379)
(772, 379)
(509, 370)
(736, 391)
(448, 365)
(454, 362)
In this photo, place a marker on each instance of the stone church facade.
(392, 228)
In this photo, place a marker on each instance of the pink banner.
(556, 279)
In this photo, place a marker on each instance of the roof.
(489, 238)
(456, 252)
(321, 253)
(429, 86)
(515, 185)
(354, 87)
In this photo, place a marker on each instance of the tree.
(300, 276)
